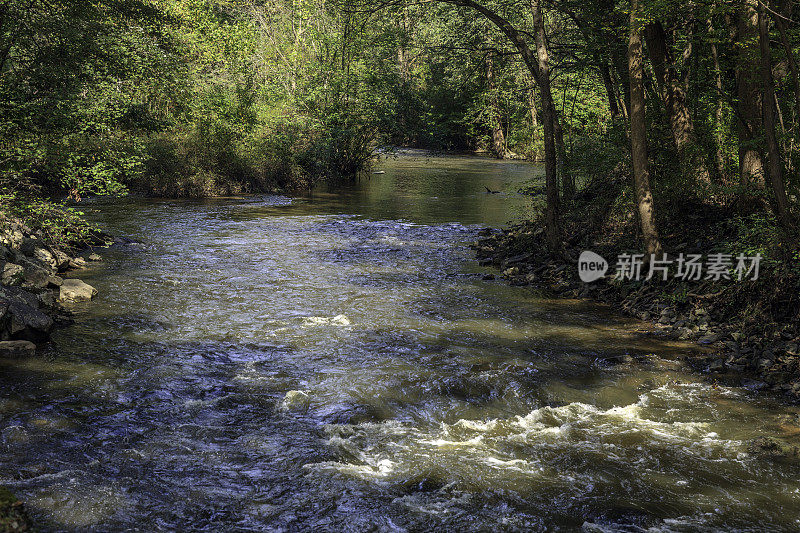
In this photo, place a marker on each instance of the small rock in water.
(717, 365)
(771, 447)
(94, 257)
(752, 384)
(78, 262)
(708, 339)
(75, 290)
(296, 400)
(15, 349)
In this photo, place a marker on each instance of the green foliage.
(58, 224)
(759, 233)
(79, 81)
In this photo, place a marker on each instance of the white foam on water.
(296, 400)
(477, 448)
(338, 320)
(442, 442)
(250, 374)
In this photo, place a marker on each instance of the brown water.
(424, 397)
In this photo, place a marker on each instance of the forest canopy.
(690, 103)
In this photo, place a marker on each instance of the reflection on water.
(336, 363)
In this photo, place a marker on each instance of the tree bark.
(621, 68)
(751, 166)
(609, 86)
(532, 106)
(498, 137)
(641, 178)
(673, 95)
(774, 164)
(550, 120)
(719, 157)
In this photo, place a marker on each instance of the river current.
(336, 362)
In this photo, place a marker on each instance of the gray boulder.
(36, 279)
(75, 290)
(12, 274)
(77, 263)
(12, 238)
(62, 260)
(20, 316)
(29, 245)
(46, 257)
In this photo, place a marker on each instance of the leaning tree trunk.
(641, 178)
(774, 164)
(621, 69)
(532, 108)
(674, 97)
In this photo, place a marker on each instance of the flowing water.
(336, 362)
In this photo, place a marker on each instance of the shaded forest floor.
(752, 326)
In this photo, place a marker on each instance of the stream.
(336, 362)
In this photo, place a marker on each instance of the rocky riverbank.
(34, 286)
(34, 294)
(745, 349)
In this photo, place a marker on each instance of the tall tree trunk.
(774, 164)
(565, 177)
(719, 157)
(677, 112)
(498, 136)
(620, 95)
(751, 167)
(534, 116)
(609, 86)
(621, 68)
(532, 106)
(641, 177)
(550, 120)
